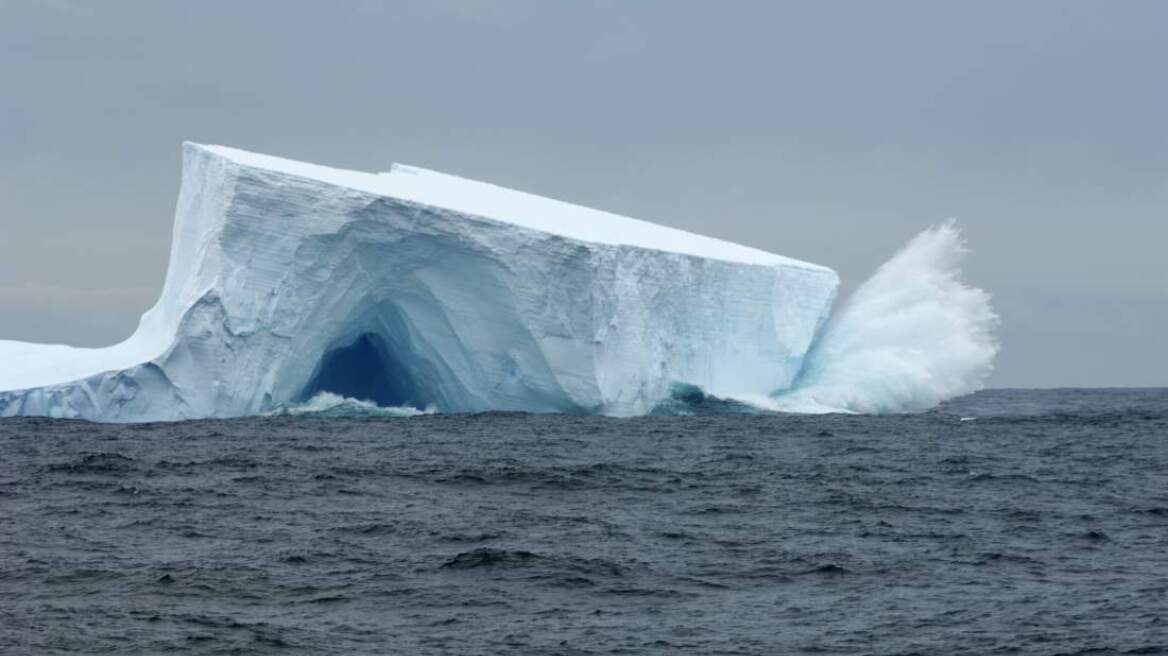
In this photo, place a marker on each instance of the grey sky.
(827, 131)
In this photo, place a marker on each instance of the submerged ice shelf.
(412, 287)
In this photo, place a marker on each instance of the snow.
(413, 288)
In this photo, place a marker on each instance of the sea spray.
(911, 336)
(329, 405)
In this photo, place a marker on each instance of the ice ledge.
(450, 192)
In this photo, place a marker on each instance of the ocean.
(1009, 521)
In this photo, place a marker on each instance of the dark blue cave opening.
(366, 370)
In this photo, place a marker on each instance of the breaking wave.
(686, 400)
(329, 405)
(912, 336)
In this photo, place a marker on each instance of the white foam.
(327, 404)
(911, 336)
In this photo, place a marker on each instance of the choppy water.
(1039, 527)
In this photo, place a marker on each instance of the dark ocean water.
(1038, 527)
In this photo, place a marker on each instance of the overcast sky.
(827, 131)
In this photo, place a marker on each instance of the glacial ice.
(289, 282)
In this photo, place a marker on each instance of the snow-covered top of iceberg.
(426, 187)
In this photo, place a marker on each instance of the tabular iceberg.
(412, 287)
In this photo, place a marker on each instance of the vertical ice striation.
(411, 287)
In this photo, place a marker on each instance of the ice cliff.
(412, 287)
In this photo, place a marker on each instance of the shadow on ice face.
(368, 370)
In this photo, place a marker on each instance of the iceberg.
(413, 288)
